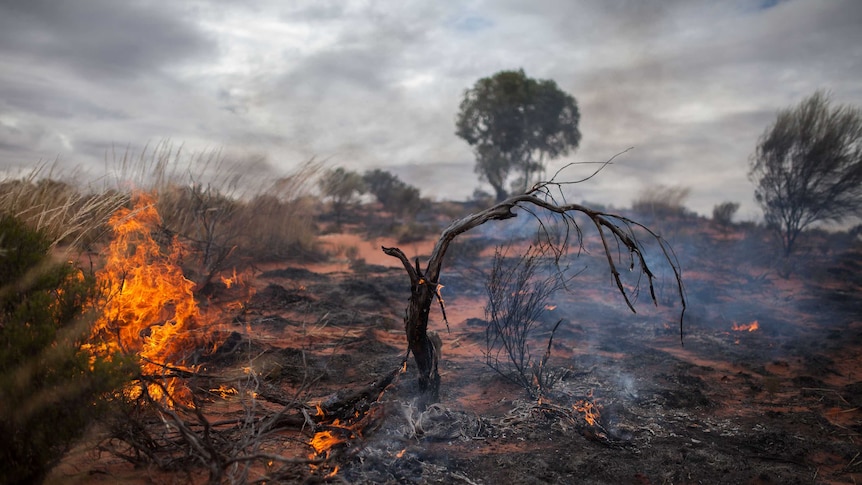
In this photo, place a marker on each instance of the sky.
(690, 85)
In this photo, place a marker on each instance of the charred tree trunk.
(424, 287)
(422, 292)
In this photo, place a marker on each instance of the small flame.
(224, 391)
(231, 280)
(323, 441)
(750, 327)
(589, 409)
(333, 472)
(400, 454)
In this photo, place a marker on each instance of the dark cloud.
(97, 38)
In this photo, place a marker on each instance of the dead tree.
(617, 235)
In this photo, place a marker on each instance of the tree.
(808, 167)
(395, 195)
(723, 213)
(514, 123)
(343, 187)
(615, 232)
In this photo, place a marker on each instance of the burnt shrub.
(50, 389)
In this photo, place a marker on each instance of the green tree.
(515, 124)
(50, 388)
(395, 195)
(808, 167)
(343, 187)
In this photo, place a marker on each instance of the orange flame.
(589, 409)
(148, 308)
(224, 391)
(231, 280)
(751, 327)
(323, 441)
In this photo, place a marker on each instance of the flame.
(751, 327)
(323, 441)
(224, 391)
(231, 280)
(400, 454)
(589, 409)
(148, 307)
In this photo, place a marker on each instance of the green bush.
(50, 389)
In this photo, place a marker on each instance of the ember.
(751, 327)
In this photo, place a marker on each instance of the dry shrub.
(279, 222)
(46, 203)
(518, 291)
(224, 212)
(276, 228)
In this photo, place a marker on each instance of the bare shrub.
(241, 448)
(518, 291)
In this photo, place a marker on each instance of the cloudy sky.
(689, 84)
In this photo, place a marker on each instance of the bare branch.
(610, 227)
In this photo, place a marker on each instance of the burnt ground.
(780, 404)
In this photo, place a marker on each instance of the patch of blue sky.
(472, 23)
(767, 4)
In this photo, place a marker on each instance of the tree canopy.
(343, 187)
(808, 167)
(514, 124)
(394, 194)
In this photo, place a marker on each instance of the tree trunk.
(422, 292)
(424, 352)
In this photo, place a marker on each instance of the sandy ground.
(777, 405)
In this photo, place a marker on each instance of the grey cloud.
(689, 84)
(18, 95)
(99, 37)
